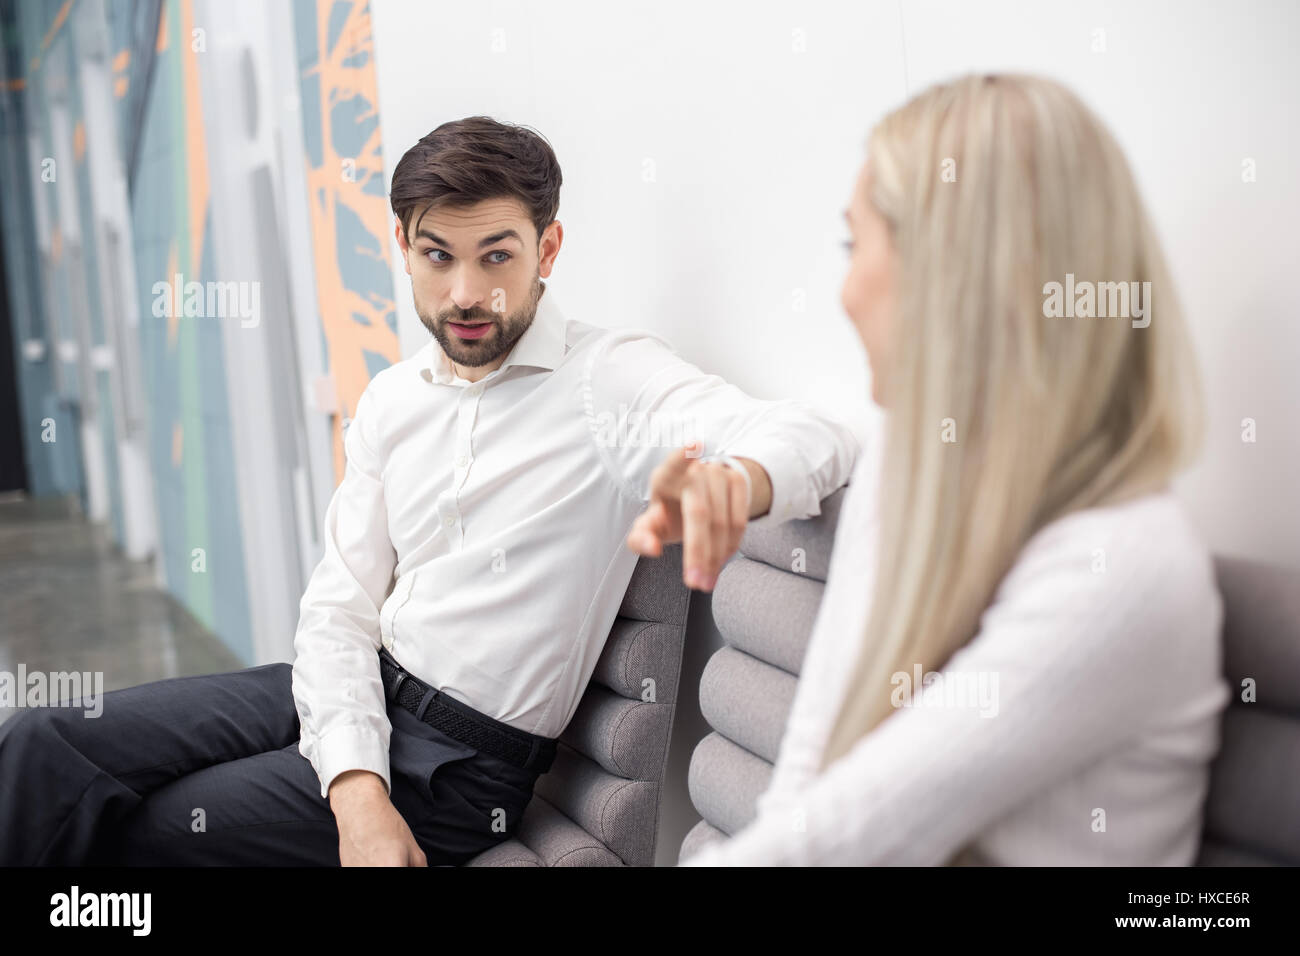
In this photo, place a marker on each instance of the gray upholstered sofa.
(765, 611)
(598, 805)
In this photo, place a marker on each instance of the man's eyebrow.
(484, 242)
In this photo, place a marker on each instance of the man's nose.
(466, 291)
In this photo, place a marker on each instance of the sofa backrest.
(598, 805)
(764, 604)
(1252, 813)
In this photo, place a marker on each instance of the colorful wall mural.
(153, 66)
(348, 197)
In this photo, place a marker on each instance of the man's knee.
(277, 675)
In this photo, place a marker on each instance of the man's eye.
(437, 252)
(499, 252)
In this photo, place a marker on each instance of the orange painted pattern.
(121, 78)
(162, 31)
(57, 25)
(328, 187)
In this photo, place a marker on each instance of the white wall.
(754, 147)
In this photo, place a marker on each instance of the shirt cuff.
(789, 478)
(351, 748)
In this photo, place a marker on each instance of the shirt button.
(462, 461)
(388, 642)
(476, 390)
(450, 520)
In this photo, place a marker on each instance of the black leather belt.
(459, 720)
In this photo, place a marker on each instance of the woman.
(1029, 549)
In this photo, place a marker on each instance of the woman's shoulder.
(1137, 566)
(1145, 533)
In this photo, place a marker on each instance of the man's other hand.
(371, 831)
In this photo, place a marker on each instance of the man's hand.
(371, 831)
(701, 504)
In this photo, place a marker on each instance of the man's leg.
(263, 810)
(206, 770)
(266, 810)
(66, 779)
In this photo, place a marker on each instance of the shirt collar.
(542, 346)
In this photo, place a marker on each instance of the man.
(500, 484)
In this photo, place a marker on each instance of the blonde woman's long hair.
(994, 186)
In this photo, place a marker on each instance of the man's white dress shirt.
(1082, 734)
(479, 530)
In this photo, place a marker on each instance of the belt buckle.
(402, 676)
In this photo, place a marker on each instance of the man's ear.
(549, 247)
(404, 246)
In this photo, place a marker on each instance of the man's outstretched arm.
(793, 454)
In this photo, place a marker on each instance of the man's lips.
(472, 331)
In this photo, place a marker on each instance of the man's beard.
(474, 353)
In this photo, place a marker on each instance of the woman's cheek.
(852, 300)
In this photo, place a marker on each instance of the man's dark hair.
(466, 161)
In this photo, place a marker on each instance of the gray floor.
(69, 601)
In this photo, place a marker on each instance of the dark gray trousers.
(206, 771)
